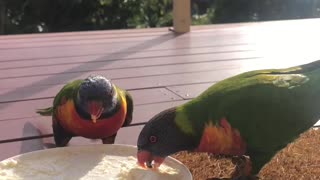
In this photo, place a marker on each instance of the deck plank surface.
(27, 108)
(14, 148)
(159, 68)
(35, 125)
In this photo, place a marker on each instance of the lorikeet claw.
(149, 164)
(109, 140)
(243, 168)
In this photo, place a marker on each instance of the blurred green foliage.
(35, 16)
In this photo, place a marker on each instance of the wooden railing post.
(181, 16)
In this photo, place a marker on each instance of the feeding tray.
(88, 162)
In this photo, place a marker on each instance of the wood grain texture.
(125, 66)
(25, 109)
(190, 91)
(34, 91)
(143, 55)
(37, 126)
(143, 77)
(126, 135)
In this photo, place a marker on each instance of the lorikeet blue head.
(161, 137)
(96, 96)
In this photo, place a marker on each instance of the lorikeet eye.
(153, 139)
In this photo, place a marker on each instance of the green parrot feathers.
(287, 78)
(45, 112)
(253, 93)
(68, 91)
(270, 108)
(255, 113)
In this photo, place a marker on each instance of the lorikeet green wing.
(67, 93)
(128, 118)
(129, 102)
(255, 113)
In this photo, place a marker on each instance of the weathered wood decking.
(159, 68)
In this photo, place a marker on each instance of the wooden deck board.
(15, 148)
(154, 43)
(169, 68)
(153, 55)
(159, 68)
(147, 77)
(164, 41)
(124, 136)
(126, 48)
(39, 125)
(190, 91)
(103, 40)
(33, 91)
(118, 69)
(27, 108)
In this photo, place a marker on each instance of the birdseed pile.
(299, 160)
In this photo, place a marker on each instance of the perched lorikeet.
(255, 114)
(93, 108)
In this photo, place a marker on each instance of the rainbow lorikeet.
(253, 114)
(93, 108)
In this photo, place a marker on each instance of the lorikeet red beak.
(95, 109)
(145, 159)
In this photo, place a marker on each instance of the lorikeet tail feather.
(45, 112)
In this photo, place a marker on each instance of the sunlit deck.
(160, 69)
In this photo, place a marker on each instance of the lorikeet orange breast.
(71, 121)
